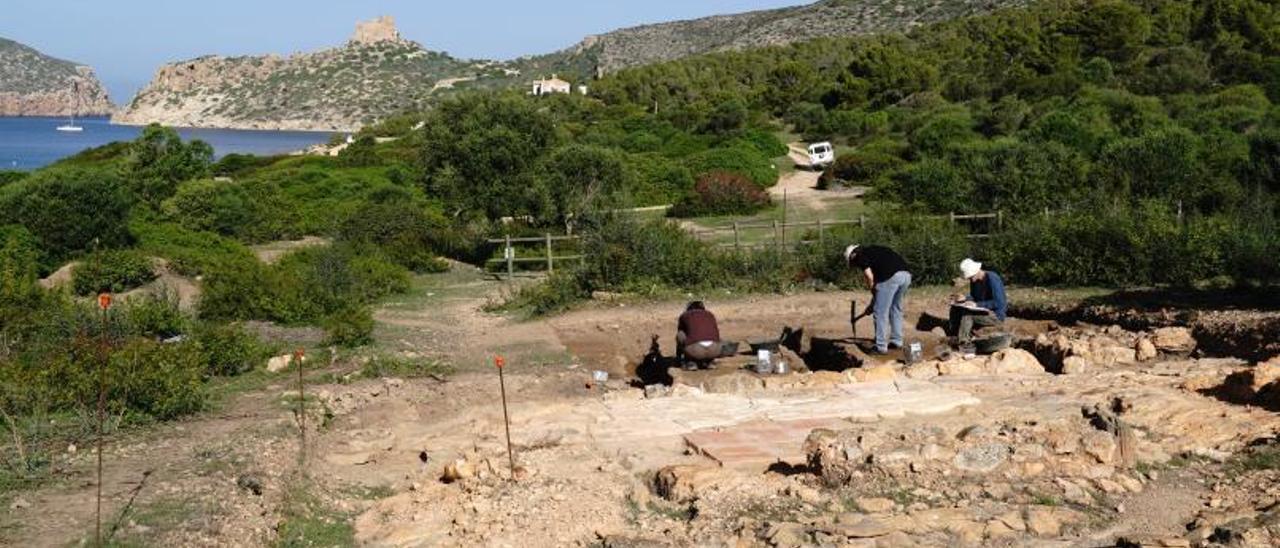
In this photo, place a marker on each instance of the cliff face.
(34, 84)
(648, 44)
(376, 74)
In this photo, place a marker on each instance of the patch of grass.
(1261, 458)
(365, 492)
(154, 519)
(308, 520)
(1041, 499)
(672, 511)
(404, 368)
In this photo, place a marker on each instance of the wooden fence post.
(777, 242)
(862, 221)
(952, 215)
(822, 240)
(551, 261)
(510, 255)
(737, 238)
(1000, 220)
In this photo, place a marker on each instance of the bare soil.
(377, 449)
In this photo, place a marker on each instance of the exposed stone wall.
(382, 29)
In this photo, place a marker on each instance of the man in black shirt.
(888, 278)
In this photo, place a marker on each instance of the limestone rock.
(875, 505)
(280, 363)
(879, 373)
(788, 535)
(1174, 340)
(922, 370)
(981, 458)
(683, 483)
(1146, 350)
(1100, 445)
(1043, 522)
(1265, 373)
(738, 382)
(458, 470)
(1014, 361)
(861, 528)
(822, 379)
(1075, 365)
(960, 368)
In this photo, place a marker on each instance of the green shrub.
(190, 253)
(350, 327)
(7, 177)
(112, 272)
(70, 211)
(228, 350)
(741, 159)
(403, 368)
(158, 160)
(658, 180)
(305, 287)
(363, 152)
(764, 141)
(721, 193)
(155, 315)
(161, 381)
(553, 295)
(859, 168)
(411, 234)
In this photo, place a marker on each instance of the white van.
(821, 155)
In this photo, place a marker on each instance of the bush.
(190, 253)
(363, 152)
(155, 316)
(7, 177)
(112, 272)
(70, 211)
(741, 159)
(721, 193)
(161, 381)
(859, 168)
(350, 327)
(228, 350)
(411, 234)
(305, 287)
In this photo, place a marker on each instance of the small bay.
(28, 143)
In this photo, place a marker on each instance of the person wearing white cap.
(888, 278)
(986, 305)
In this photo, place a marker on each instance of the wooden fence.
(779, 239)
(546, 257)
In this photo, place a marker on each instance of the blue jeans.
(888, 312)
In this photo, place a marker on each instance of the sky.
(126, 40)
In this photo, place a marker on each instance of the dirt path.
(800, 186)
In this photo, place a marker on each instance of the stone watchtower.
(382, 29)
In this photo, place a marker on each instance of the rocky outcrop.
(34, 84)
(375, 75)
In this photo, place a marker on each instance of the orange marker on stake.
(506, 419)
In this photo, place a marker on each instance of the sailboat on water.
(70, 126)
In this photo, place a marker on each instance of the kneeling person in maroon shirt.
(697, 336)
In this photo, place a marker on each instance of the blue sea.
(30, 143)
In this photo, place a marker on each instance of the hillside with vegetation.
(375, 75)
(647, 44)
(378, 74)
(35, 84)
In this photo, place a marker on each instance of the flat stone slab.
(775, 429)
